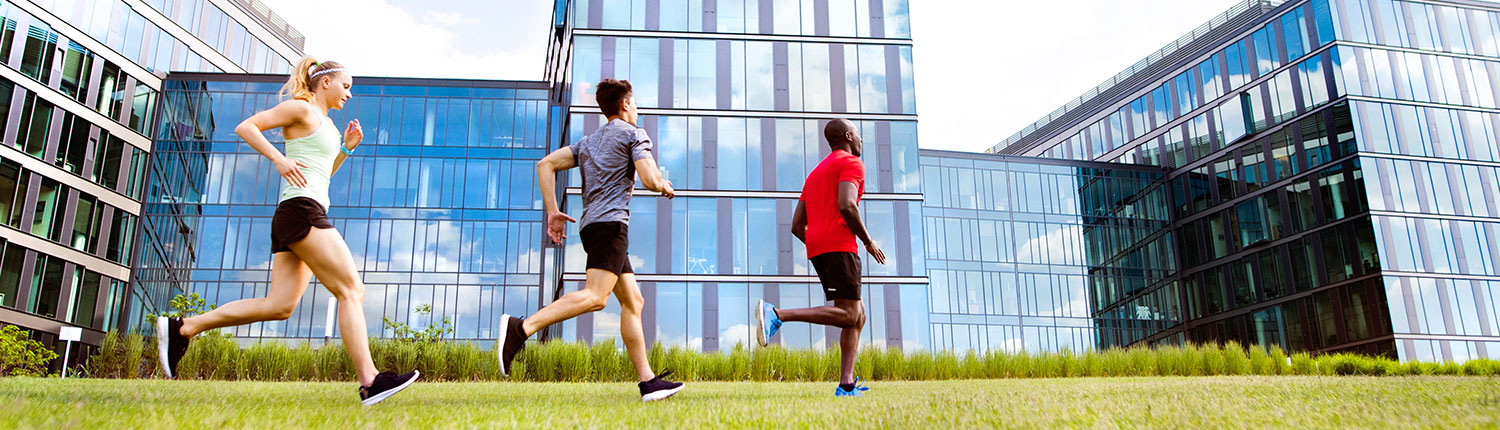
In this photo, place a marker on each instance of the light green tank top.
(316, 151)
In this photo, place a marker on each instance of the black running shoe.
(511, 341)
(170, 344)
(659, 388)
(386, 385)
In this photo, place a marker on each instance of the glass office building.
(1332, 171)
(79, 95)
(735, 94)
(1020, 250)
(439, 205)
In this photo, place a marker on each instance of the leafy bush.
(435, 331)
(21, 356)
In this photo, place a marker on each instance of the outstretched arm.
(849, 210)
(546, 178)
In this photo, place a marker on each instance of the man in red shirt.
(827, 221)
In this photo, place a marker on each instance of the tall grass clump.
(135, 347)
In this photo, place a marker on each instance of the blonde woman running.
(303, 242)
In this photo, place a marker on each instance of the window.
(1294, 30)
(36, 59)
(36, 120)
(1208, 75)
(10, 273)
(1255, 107)
(702, 82)
(1239, 74)
(1231, 120)
(1187, 95)
(74, 143)
(84, 223)
(76, 67)
(1265, 51)
(872, 78)
(1314, 83)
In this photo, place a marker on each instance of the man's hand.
(667, 190)
(875, 251)
(557, 226)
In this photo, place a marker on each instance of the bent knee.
(598, 302)
(282, 311)
(347, 290)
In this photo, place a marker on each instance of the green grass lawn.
(1176, 402)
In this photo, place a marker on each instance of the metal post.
(328, 326)
(66, 352)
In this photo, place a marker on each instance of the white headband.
(325, 71)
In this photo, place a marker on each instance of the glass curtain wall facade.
(1021, 251)
(439, 205)
(79, 94)
(736, 93)
(1332, 171)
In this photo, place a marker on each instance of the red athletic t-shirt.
(826, 230)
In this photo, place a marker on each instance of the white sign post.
(69, 334)
(328, 326)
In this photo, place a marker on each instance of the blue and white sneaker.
(766, 322)
(858, 391)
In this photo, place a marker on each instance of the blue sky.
(984, 69)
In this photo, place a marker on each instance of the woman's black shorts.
(294, 218)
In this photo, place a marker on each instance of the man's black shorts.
(839, 272)
(294, 218)
(607, 245)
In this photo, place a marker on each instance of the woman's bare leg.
(324, 251)
(289, 279)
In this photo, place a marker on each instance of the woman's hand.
(291, 170)
(353, 134)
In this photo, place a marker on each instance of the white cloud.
(377, 38)
(987, 69)
(447, 19)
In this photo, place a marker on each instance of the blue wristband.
(346, 150)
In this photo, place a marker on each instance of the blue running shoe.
(766, 322)
(858, 391)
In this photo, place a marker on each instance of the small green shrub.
(21, 356)
(434, 331)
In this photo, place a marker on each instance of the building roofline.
(1216, 31)
(1012, 158)
(271, 21)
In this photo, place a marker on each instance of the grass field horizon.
(1177, 402)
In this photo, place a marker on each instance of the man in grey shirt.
(610, 159)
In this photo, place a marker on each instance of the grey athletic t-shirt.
(606, 159)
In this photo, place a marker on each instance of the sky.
(984, 69)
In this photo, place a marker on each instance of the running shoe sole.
(659, 395)
(760, 322)
(163, 343)
(500, 344)
(391, 392)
